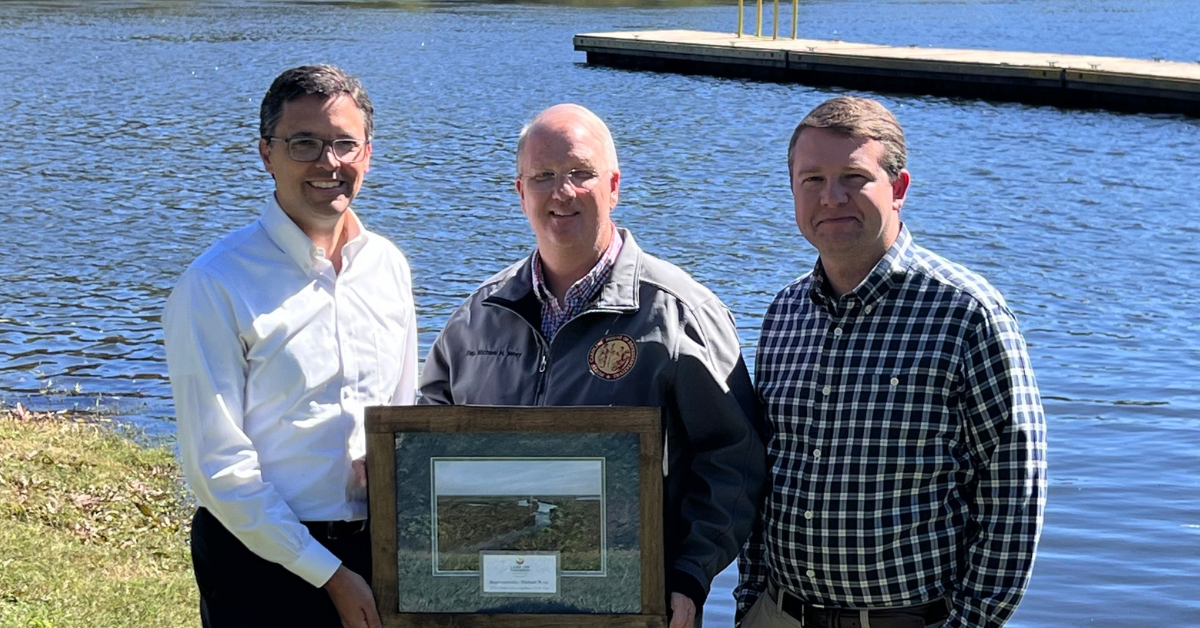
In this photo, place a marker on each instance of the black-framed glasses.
(307, 148)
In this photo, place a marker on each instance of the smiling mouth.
(558, 214)
(326, 185)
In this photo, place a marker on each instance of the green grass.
(93, 527)
(466, 524)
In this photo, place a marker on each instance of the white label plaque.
(519, 574)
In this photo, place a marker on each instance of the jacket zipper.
(542, 387)
(539, 398)
(544, 347)
(543, 351)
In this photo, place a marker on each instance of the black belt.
(334, 530)
(822, 616)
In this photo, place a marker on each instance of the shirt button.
(810, 573)
(826, 390)
(868, 309)
(808, 514)
(837, 331)
(816, 453)
(895, 381)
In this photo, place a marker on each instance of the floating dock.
(1030, 77)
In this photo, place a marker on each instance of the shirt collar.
(592, 282)
(619, 292)
(295, 243)
(875, 285)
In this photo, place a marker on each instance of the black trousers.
(238, 589)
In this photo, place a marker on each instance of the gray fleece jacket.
(652, 337)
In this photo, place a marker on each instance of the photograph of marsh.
(581, 493)
(518, 504)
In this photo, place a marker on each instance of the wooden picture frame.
(384, 424)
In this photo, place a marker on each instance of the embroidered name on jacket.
(612, 357)
(499, 353)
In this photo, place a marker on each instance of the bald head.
(568, 182)
(570, 119)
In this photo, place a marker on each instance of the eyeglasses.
(579, 178)
(305, 148)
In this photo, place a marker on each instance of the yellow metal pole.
(758, 24)
(775, 24)
(795, 16)
(742, 14)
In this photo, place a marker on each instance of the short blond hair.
(860, 118)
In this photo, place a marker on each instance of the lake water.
(131, 129)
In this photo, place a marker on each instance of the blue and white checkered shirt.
(908, 459)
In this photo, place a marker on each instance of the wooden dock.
(1031, 77)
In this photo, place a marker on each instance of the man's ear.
(614, 186)
(264, 151)
(900, 189)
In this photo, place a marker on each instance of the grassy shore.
(93, 526)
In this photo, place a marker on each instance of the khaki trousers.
(765, 613)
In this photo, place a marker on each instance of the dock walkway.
(1033, 77)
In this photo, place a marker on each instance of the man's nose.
(833, 193)
(563, 188)
(328, 158)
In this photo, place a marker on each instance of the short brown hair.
(860, 118)
(326, 81)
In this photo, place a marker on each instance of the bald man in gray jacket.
(591, 319)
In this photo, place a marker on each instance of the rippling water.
(131, 148)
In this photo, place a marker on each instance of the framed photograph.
(513, 516)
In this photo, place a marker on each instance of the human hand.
(353, 599)
(683, 611)
(360, 471)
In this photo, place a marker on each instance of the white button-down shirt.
(272, 357)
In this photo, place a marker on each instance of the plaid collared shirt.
(580, 294)
(908, 459)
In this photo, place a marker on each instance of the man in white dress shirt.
(277, 337)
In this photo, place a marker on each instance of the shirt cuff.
(316, 564)
(685, 583)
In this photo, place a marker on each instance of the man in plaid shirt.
(908, 459)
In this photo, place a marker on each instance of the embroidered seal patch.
(612, 357)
